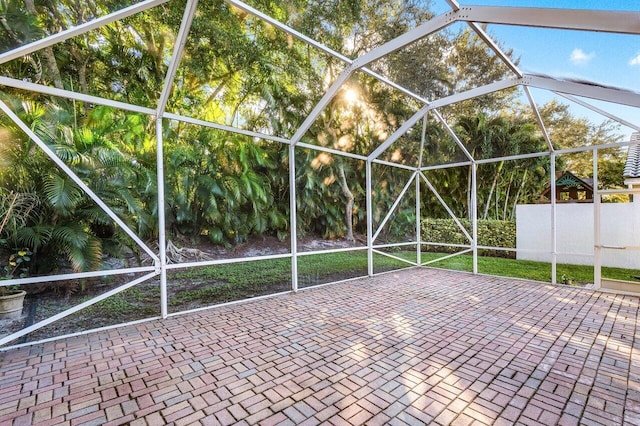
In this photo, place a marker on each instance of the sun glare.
(351, 96)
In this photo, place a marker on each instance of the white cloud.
(635, 60)
(579, 57)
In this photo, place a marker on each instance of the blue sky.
(611, 59)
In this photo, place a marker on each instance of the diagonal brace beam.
(600, 111)
(453, 216)
(398, 133)
(566, 19)
(181, 41)
(322, 104)
(393, 207)
(593, 91)
(453, 134)
(474, 93)
(76, 179)
(78, 30)
(536, 112)
(430, 27)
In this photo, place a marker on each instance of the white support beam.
(453, 4)
(626, 22)
(322, 104)
(369, 202)
(448, 256)
(396, 165)
(398, 258)
(293, 218)
(210, 124)
(429, 27)
(418, 223)
(331, 151)
(513, 157)
(554, 219)
(452, 134)
(406, 126)
(446, 166)
(78, 30)
(74, 309)
(423, 138)
(178, 49)
(181, 40)
(597, 233)
(593, 91)
(474, 215)
(600, 111)
(474, 93)
(162, 227)
(67, 94)
(83, 186)
(285, 28)
(446, 207)
(76, 276)
(311, 42)
(496, 49)
(592, 147)
(536, 112)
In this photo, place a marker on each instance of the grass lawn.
(528, 269)
(353, 264)
(211, 285)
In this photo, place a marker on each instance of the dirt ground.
(44, 301)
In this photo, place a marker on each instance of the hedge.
(494, 233)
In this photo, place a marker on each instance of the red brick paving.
(413, 347)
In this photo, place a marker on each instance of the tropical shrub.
(492, 233)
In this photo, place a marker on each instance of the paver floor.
(419, 346)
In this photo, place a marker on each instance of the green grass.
(222, 283)
(528, 269)
(247, 274)
(249, 279)
(124, 304)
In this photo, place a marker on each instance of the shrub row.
(493, 233)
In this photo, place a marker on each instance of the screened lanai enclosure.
(160, 157)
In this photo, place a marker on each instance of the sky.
(609, 59)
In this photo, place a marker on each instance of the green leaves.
(62, 194)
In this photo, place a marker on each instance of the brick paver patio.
(418, 346)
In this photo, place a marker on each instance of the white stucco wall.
(620, 226)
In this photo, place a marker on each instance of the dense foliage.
(491, 233)
(240, 71)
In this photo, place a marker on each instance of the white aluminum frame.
(615, 22)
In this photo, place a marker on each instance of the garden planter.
(11, 304)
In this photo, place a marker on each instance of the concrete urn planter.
(11, 304)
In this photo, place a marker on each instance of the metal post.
(423, 138)
(474, 216)
(554, 218)
(597, 243)
(181, 41)
(418, 227)
(369, 220)
(162, 237)
(293, 223)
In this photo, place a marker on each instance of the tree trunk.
(493, 187)
(522, 184)
(47, 52)
(505, 206)
(348, 216)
